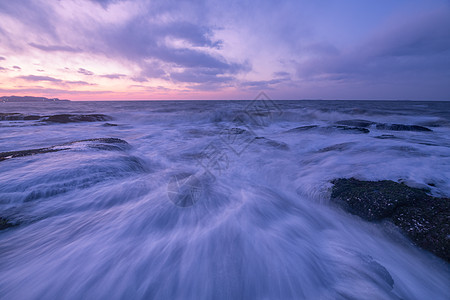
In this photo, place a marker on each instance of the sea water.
(215, 200)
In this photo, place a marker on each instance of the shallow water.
(195, 208)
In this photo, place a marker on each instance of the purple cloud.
(78, 82)
(35, 78)
(2, 58)
(54, 48)
(39, 78)
(85, 72)
(17, 68)
(113, 76)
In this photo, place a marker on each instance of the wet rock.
(401, 127)
(17, 117)
(62, 118)
(337, 147)
(356, 123)
(303, 128)
(4, 223)
(110, 125)
(21, 153)
(236, 131)
(272, 143)
(382, 126)
(385, 137)
(423, 218)
(109, 144)
(352, 129)
(69, 118)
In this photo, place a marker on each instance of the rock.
(385, 137)
(4, 223)
(350, 129)
(17, 117)
(109, 144)
(401, 127)
(423, 218)
(356, 123)
(21, 153)
(69, 118)
(382, 126)
(272, 143)
(302, 128)
(236, 131)
(62, 118)
(337, 147)
(353, 129)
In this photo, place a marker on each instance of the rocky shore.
(423, 218)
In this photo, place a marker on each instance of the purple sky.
(142, 49)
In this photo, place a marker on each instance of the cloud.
(215, 45)
(85, 72)
(415, 48)
(78, 82)
(39, 78)
(106, 3)
(113, 76)
(2, 58)
(17, 68)
(54, 48)
(35, 78)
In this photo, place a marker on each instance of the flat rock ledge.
(423, 218)
(110, 144)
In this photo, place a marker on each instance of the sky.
(292, 49)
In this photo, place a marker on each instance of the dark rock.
(17, 117)
(4, 223)
(62, 118)
(427, 223)
(303, 128)
(337, 147)
(423, 218)
(356, 123)
(68, 118)
(110, 125)
(353, 129)
(236, 131)
(272, 143)
(21, 153)
(401, 127)
(109, 144)
(386, 136)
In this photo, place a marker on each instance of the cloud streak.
(296, 49)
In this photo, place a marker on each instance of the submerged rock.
(337, 147)
(423, 218)
(349, 129)
(17, 117)
(4, 223)
(109, 144)
(401, 127)
(13, 154)
(356, 123)
(61, 118)
(272, 143)
(353, 129)
(302, 128)
(69, 118)
(382, 126)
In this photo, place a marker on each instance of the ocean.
(213, 199)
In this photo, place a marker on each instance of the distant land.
(29, 99)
